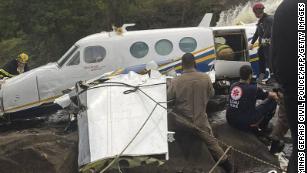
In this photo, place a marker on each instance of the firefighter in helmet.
(15, 66)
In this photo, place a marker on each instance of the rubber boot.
(277, 146)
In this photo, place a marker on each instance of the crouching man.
(15, 66)
(242, 111)
(190, 93)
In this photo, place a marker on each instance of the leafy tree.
(46, 29)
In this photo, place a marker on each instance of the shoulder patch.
(236, 93)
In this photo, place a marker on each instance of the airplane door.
(231, 52)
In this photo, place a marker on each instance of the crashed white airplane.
(123, 51)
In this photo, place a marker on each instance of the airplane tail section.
(205, 22)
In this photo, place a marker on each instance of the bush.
(10, 49)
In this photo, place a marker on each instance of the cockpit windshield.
(67, 55)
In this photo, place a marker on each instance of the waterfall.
(244, 14)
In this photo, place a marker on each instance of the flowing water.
(243, 13)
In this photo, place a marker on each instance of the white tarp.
(113, 118)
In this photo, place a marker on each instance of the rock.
(38, 150)
(248, 144)
(188, 154)
(217, 103)
(47, 149)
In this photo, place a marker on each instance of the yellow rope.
(5, 73)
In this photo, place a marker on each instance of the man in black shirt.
(263, 32)
(285, 66)
(242, 111)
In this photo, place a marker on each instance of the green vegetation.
(45, 29)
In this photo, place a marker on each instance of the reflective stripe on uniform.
(5, 73)
(222, 47)
(266, 40)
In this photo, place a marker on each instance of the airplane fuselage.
(104, 52)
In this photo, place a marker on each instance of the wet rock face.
(38, 150)
(217, 103)
(47, 149)
(247, 143)
(188, 154)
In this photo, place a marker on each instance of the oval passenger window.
(188, 44)
(164, 47)
(139, 49)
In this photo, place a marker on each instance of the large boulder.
(249, 154)
(38, 150)
(188, 154)
(217, 103)
(48, 149)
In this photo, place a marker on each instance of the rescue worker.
(285, 63)
(242, 112)
(223, 51)
(190, 93)
(15, 66)
(263, 35)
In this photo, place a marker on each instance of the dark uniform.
(10, 69)
(284, 62)
(263, 32)
(242, 111)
